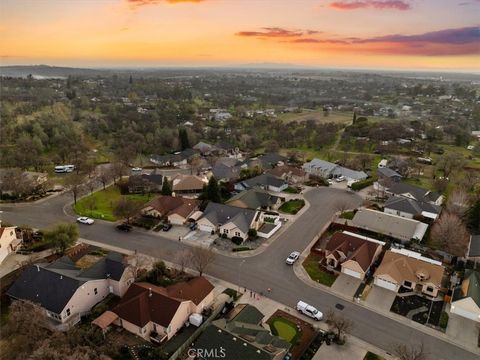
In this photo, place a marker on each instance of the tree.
(201, 258)
(473, 217)
(104, 176)
(90, 203)
(458, 202)
(137, 263)
(450, 162)
(440, 185)
(183, 258)
(183, 138)
(341, 205)
(117, 170)
(339, 324)
(409, 352)
(212, 191)
(62, 236)
(166, 187)
(450, 234)
(127, 208)
(74, 183)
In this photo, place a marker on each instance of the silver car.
(292, 257)
(85, 220)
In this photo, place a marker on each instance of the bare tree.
(90, 203)
(450, 234)
(91, 185)
(118, 170)
(201, 258)
(341, 205)
(410, 352)
(339, 324)
(127, 208)
(105, 176)
(137, 263)
(458, 202)
(450, 162)
(74, 183)
(183, 259)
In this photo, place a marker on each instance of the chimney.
(150, 292)
(61, 277)
(38, 268)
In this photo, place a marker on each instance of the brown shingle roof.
(187, 182)
(167, 205)
(195, 289)
(400, 268)
(286, 169)
(360, 250)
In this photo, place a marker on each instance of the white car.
(340, 178)
(309, 310)
(85, 220)
(292, 257)
(330, 182)
(137, 169)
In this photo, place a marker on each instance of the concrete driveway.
(381, 298)
(346, 285)
(463, 330)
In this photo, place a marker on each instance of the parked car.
(340, 178)
(292, 257)
(124, 227)
(85, 220)
(309, 310)
(167, 227)
(330, 182)
(193, 226)
(137, 169)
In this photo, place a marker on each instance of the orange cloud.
(375, 4)
(276, 32)
(154, 2)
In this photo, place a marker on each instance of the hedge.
(237, 240)
(443, 320)
(359, 185)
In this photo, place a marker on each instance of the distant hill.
(45, 71)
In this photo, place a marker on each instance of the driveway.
(463, 330)
(346, 285)
(380, 298)
(199, 238)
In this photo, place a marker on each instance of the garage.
(205, 227)
(351, 272)
(467, 308)
(386, 284)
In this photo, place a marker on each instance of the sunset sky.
(375, 34)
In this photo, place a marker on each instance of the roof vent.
(244, 344)
(234, 339)
(38, 268)
(61, 277)
(150, 292)
(258, 351)
(219, 330)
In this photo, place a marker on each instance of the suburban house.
(67, 292)
(177, 209)
(191, 185)
(229, 220)
(255, 199)
(410, 270)
(352, 252)
(227, 169)
(264, 181)
(9, 242)
(290, 174)
(414, 192)
(157, 313)
(178, 159)
(409, 208)
(473, 252)
(394, 226)
(207, 149)
(326, 169)
(145, 183)
(271, 160)
(466, 297)
(241, 336)
(387, 174)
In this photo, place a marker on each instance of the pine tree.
(354, 117)
(166, 188)
(183, 137)
(212, 191)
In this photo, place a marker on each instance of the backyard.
(316, 273)
(100, 204)
(292, 206)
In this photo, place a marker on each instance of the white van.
(69, 168)
(309, 310)
(60, 169)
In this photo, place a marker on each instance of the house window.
(68, 312)
(429, 289)
(407, 284)
(237, 233)
(225, 231)
(95, 291)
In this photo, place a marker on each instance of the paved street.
(262, 271)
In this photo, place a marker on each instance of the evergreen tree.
(183, 137)
(166, 188)
(354, 117)
(212, 191)
(130, 80)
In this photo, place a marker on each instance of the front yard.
(100, 204)
(419, 309)
(316, 272)
(292, 206)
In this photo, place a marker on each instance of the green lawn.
(292, 206)
(104, 202)
(372, 356)
(310, 264)
(285, 329)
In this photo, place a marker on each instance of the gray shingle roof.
(417, 192)
(254, 198)
(388, 173)
(474, 249)
(411, 206)
(222, 214)
(263, 180)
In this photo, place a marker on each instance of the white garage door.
(206, 228)
(465, 313)
(352, 273)
(386, 284)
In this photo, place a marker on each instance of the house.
(414, 192)
(157, 313)
(409, 208)
(240, 336)
(264, 181)
(383, 163)
(270, 160)
(229, 220)
(466, 297)
(410, 270)
(227, 169)
(473, 252)
(326, 169)
(9, 241)
(67, 292)
(255, 199)
(290, 174)
(176, 209)
(394, 226)
(178, 159)
(387, 174)
(188, 184)
(206, 149)
(354, 253)
(145, 183)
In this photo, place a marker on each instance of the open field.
(317, 116)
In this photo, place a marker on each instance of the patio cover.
(104, 320)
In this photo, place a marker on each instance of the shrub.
(359, 185)
(443, 320)
(224, 235)
(237, 240)
(252, 233)
(270, 220)
(241, 248)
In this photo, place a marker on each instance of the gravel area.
(228, 245)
